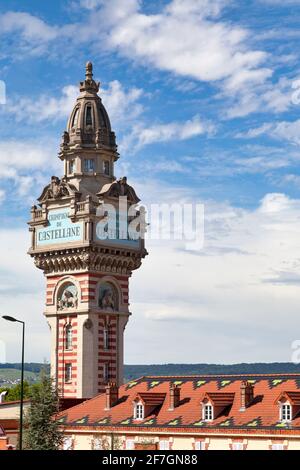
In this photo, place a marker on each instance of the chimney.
(174, 396)
(247, 394)
(111, 395)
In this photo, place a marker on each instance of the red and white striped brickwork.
(107, 358)
(67, 389)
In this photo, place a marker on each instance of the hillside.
(10, 377)
(10, 373)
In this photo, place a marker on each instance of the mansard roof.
(261, 416)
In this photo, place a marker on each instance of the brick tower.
(87, 270)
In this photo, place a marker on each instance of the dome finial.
(89, 84)
(89, 70)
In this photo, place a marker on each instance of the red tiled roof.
(153, 399)
(219, 398)
(261, 415)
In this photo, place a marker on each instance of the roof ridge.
(279, 374)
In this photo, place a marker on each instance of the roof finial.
(89, 84)
(89, 70)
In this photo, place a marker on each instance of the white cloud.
(2, 195)
(208, 49)
(16, 154)
(26, 162)
(142, 135)
(283, 130)
(21, 284)
(228, 303)
(258, 97)
(122, 105)
(30, 27)
(43, 107)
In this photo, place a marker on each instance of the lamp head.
(8, 318)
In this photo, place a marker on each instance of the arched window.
(88, 115)
(105, 338)
(69, 337)
(75, 117)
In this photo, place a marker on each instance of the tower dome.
(89, 124)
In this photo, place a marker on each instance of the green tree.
(42, 432)
(14, 393)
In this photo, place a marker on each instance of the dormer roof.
(218, 398)
(292, 397)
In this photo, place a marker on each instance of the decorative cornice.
(87, 259)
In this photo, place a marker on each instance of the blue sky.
(203, 96)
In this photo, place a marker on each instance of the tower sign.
(87, 238)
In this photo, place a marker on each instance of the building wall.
(83, 441)
(87, 356)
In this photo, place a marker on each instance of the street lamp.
(12, 319)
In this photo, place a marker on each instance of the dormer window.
(215, 404)
(88, 116)
(286, 412)
(207, 412)
(89, 165)
(146, 404)
(139, 412)
(289, 405)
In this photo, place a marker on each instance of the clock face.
(60, 229)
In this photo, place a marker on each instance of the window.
(68, 373)
(106, 167)
(106, 372)
(71, 166)
(69, 335)
(237, 446)
(105, 338)
(208, 413)
(88, 116)
(277, 447)
(75, 118)
(139, 411)
(164, 445)
(89, 165)
(199, 445)
(129, 444)
(286, 412)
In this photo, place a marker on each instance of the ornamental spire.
(89, 83)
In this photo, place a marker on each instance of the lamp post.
(12, 319)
